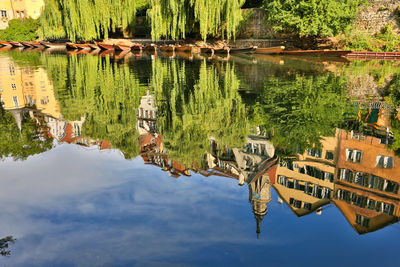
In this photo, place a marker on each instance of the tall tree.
(175, 18)
(86, 19)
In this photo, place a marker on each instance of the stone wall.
(377, 14)
(255, 26)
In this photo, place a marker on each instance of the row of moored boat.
(140, 47)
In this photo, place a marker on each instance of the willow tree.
(85, 19)
(106, 93)
(196, 110)
(175, 18)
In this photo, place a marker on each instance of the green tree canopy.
(105, 92)
(299, 111)
(86, 19)
(311, 17)
(196, 110)
(20, 30)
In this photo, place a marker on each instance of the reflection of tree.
(4, 244)
(298, 111)
(108, 93)
(196, 110)
(24, 139)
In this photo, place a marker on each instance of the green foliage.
(17, 144)
(106, 93)
(86, 19)
(297, 112)
(198, 109)
(20, 30)
(311, 17)
(387, 40)
(175, 18)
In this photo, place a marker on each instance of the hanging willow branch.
(85, 19)
(174, 18)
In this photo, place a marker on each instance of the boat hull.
(105, 46)
(186, 48)
(270, 50)
(242, 50)
(16, 44)
(221, 50)
(53, 45)
(83, 46)
(167, 48)
(71, 46)
(2, 43)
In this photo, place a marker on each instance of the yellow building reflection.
(27, 88)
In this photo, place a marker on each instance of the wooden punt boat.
(150, 48)
(27, 44)
(167, 48)
(168, 54)
(16, 44)
(36, 44)
(269, 50)
(83, 46)
(5, 48)
(94, 52)
(3, 43)
(121, 54)
(324, 52)
(52, 45)
(71, 46)
(206, 49)
(94, 46)
(136, 47)
(184, 55)
(242, 50)
(268, 58)
(121, 47)
(104, 53)
(104, 46)
(223, 50)
(184, 48)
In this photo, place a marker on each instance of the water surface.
(187, 160)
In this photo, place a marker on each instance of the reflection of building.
(253, 158)
(221, 162)
(305, 183)
(260, 194)
(367, 182)
(365, 162)
(147, 115)
(366, 211)
(19, 9)
(6, 13)
(25, 87)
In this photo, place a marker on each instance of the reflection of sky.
(73, 206)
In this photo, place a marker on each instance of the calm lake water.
(180, 160)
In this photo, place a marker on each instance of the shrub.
(20, 30)
(312, 17)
